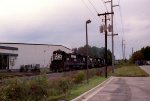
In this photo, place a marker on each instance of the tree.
(141, 55)
(95, 52)
(146, 53)
(137, 56)
(109, 57)
(75, 50)
(82, 50)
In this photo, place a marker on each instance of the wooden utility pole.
(132, 51)
(112, 29)
(112, 37)
(105, 29)
(123, 49)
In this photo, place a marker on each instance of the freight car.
(62, 61)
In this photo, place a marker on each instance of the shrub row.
(37, 89)
(41, 88)
(24, 90)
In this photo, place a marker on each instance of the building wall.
(35, 54)
(8, 51)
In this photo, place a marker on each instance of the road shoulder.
(87, 95)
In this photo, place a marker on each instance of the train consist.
(62, 61)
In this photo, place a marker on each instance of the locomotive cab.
(57, 59)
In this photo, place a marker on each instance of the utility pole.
(123, 49)
(112, 22)
(132, 51)
(105, 28)
(112, 37)
(106, 45)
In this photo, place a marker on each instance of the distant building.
(15, 55)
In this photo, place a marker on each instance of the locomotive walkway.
(121, 89)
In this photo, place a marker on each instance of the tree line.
(95, 52)
(141, 55)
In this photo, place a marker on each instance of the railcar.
(62, 61)
(99, 62)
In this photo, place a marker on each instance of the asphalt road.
(125, 89)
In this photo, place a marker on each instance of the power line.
(115, 23)
(93, 6)
(90, 10)
(116, 27)
(105, 5)
(123, 37)
(122, 25)
(119, 50)
(93, 1)
(118, 2)
(121, 20)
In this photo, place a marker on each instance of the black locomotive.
(62, 61)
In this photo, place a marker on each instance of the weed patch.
(129, 71)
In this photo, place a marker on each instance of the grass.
(81, 88)
(129, 71)
(123, 65)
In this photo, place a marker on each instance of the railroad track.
(52, 75)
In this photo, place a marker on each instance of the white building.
(14, 55)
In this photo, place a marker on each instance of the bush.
(59, 89)
(79, 77)
(14, 90)
(92, 72)
(39, 88)
(64, 85)
(25, 90)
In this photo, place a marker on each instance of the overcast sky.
(63, 22)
